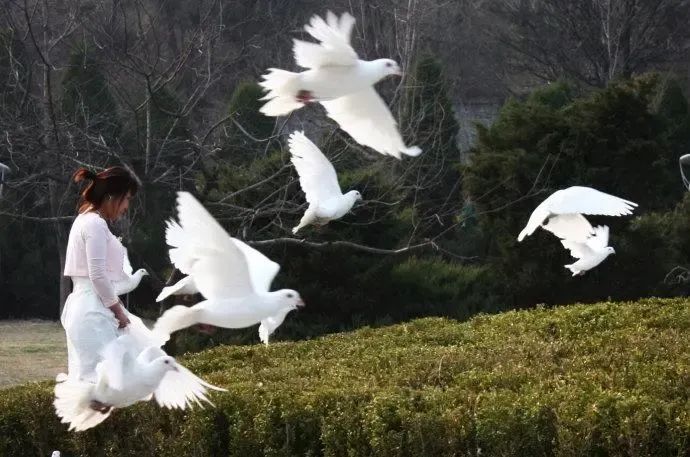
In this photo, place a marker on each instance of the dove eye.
(290, 295)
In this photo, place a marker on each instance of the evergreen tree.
(241, 146)
(86, 98)
(434, 174)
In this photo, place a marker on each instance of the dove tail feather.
(282, 87)
(184, 286)
(72, 398)
(412, 151)
(165, 293)
(575, 270)
(176, 318)
(523, 234)
(281, 106)
(529, 229)
(264, 333)
(308, 218)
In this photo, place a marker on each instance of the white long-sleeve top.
(94, 252)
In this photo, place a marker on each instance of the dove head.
(164, 364)
(290, 298)
(354, 195)
(141, 272)
(387, 67)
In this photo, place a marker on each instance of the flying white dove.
(319, 183)
(341, 82)
(134, 368)
(132, 279)
(590, 252)
(233, 277)
(562, 214)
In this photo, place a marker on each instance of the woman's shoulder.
(91, 219)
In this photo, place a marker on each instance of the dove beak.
(301, 304)
(397, 71)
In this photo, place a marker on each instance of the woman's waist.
(112, 272)
(84, 284)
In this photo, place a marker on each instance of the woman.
(93, 313)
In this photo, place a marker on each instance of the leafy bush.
(604, 379)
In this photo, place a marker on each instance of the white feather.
(599, 239)
(334, 48)
(130, 279)
(319, 182)
(343, 83)
(367, 119)
(132, 370)
(577, 200)
(232, 276)
(317, 177)
(270, 324)
(184, 286)
(219, 267)
(562, 214)
(573, 227)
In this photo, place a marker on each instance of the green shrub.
(623, 139)
(603, 379)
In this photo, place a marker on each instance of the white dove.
(562, 214)
(233, 277)
(319, 183)
(134, 368)
(132, 279)
(589, 252)
(341, 82)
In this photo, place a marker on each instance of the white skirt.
(89, 326)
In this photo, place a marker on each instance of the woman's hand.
(119, 312)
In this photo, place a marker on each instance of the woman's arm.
(96, 240)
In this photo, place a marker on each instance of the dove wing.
(366, 118)
(585, 200)
(334, 47)
(572, 227)
(600, 239)
(208, 254)
(317, 177)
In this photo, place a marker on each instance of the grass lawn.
(31, 350)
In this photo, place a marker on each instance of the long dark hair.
(113, 182)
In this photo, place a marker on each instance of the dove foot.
(102, 408)
(305, 96)
(207, 328)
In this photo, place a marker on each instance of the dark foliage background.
(168, 88)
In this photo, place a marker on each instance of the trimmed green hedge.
(603, 379)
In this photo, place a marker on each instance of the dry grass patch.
(31, 350)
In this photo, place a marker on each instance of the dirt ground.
(31, 350)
